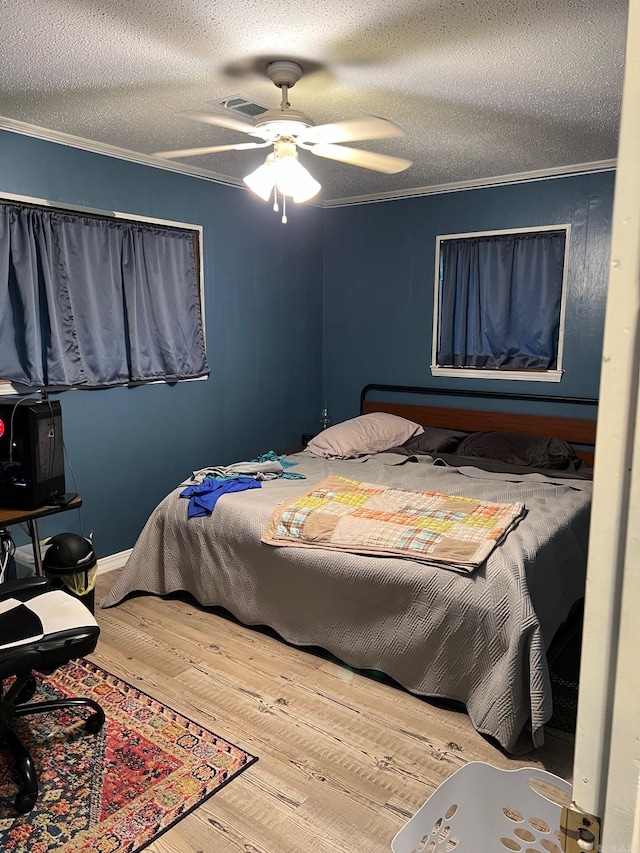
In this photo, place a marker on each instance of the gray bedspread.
(477, 639)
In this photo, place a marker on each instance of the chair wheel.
(94, 723)
(27, 692)
(25, 802)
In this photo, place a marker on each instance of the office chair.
(40, 629)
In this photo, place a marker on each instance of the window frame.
(6, 387)
(534, 375)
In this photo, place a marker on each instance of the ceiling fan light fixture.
(262, 180)
(294, 180)
(282, 169)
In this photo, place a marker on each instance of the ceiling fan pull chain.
(275, 198)
(284, 209)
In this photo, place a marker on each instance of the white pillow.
(365, 434)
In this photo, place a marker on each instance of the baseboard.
(113, 561)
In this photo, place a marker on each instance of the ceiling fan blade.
(365, 159)
(212, 149)
(352, 130)
(231, 122)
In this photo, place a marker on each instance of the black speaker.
(31, 454)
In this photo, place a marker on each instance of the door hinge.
(579, 831)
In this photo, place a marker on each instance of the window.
(89, 300)
(499, 304)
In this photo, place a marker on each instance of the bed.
(478, 638)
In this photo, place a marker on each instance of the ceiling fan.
(287, 130)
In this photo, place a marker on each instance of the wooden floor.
(344, 760)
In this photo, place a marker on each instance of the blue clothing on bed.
(204, 496)
(272, 456)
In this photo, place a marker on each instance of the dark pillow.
(434, 440)
(514, 448)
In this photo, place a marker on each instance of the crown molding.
(112, 151)
(158, 163)
(480, 183)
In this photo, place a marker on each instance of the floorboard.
(344, 758)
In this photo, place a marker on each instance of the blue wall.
(263, 308)
(337, 298)
(379, 278)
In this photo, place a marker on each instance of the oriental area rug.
(117, 791)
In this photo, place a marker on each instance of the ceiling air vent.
(240, 104)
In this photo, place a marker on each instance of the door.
(607, 752)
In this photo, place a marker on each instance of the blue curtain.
(24, 266)
(500, 300)
(93, 302)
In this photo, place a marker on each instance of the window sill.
(523, 375)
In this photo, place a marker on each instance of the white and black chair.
(41, 629)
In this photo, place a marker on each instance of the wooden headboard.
(579, 432)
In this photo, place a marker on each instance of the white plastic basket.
(482, 809)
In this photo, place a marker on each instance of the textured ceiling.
(482, 88)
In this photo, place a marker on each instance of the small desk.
(31, 516)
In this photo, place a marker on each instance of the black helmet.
(69, 552)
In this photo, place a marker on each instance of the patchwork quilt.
(449, 531)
